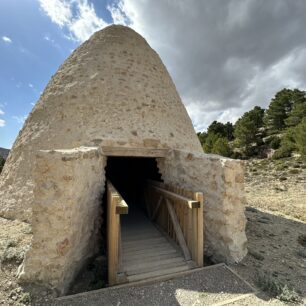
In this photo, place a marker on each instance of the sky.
(225, 57)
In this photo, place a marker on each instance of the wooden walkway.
(146, 252)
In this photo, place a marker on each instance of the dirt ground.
(276, 231)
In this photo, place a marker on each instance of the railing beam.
(178, 231)
(176, 197)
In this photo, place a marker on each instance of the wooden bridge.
(164, 239)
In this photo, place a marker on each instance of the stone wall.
(67, 208)
(222, 182)
(66, 215)
(113, 90)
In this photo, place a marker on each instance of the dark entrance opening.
(129, 176)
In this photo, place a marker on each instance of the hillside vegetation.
(279, 130)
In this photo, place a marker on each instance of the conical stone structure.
(112, 92)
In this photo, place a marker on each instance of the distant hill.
(4, 153)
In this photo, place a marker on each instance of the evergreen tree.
(278, 114)
(221, 147)
(217, 128)
(210, 142)
(229, 131)
(247, 129)
(202, 137)
(300, 137)
(298, 111)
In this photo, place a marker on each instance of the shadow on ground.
(205, 287)
(276, 249)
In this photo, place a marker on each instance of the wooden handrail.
(178, 231)
(122, 208)
(176, 197)
(179, 213)
(115, 207)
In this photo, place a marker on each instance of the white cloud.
(77, 16)
(31, 85)
(117, 13)
(20, 119)
(2, 121)
(58, 10)
(225, 56)
(7, 39)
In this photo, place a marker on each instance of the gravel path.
(208, 286)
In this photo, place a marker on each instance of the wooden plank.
(154, 215)
(152, 251)
(148, 254)
(149, 268)
(138, 277)
(200, 229)
(120, 266)
(178, 231)
(143, 242)
(178, 198)
(154, 263)
(134, 152)
(194, 233)
(157, 258)
(112, 236)
(122, 208)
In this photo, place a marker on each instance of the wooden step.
(137, 277)
(132, 244)
(155, 265)
(158, 258)
(148, 254)
(153, 261)
(155, 250)
(150, 248)
(132, 238)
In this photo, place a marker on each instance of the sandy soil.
(276, 231)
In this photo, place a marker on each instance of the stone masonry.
(112, 91)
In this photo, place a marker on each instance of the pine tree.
(247, 128)
(298, 111)
(278, 116)
(300, 137)
(221, 147)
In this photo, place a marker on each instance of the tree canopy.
(282, 127)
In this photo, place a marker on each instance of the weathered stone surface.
(221, 181)
(67, 215)
(112, 90)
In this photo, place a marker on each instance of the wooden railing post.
(184, 217)
(115, 207)
(200, 229)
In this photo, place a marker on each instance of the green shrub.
(222, 147)
(236, 155)
(276, 289)
(282, 152)
(25, 298)
(281, 167)
(210, 140)
(300, 138)
(274, 142)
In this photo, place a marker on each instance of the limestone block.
(221, 181)
(66, 215)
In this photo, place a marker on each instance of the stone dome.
(113, 90)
